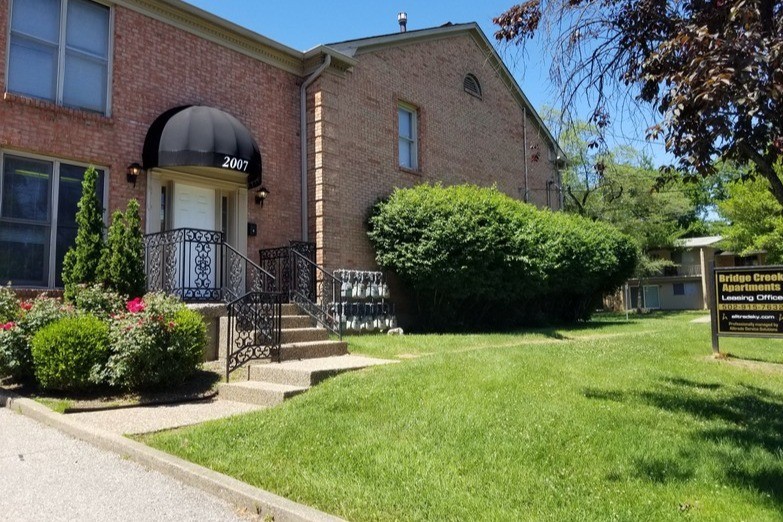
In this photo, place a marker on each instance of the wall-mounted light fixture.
(134, 170)
(261, 195)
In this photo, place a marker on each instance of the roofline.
(219, 30)
(361, 45)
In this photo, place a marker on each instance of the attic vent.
(472, 85)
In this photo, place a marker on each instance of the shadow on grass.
(741, 419)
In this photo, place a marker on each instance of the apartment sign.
(749, 301)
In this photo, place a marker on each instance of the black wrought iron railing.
(254, 325)
(198, 266)
(243, 276)
(277, 261)
(317, 292)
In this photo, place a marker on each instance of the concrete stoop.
(272, 383)
(256, 392)
(307, 357)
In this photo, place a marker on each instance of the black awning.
(195, 136)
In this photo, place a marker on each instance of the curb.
(238, 493)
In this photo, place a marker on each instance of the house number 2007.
(235, 163)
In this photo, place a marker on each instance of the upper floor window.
(408, 137)
(60, 52)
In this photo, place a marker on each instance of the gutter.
(303, 137)
(524, 144)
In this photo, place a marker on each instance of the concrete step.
(291, 309)
(309, 372)
(297, 321)
(303, 335)
(255, 392)
(312, 350)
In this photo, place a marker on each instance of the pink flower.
(26, 305)
(171, 325)
(135, 306)
(8, 326)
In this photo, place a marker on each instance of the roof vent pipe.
(403, 19)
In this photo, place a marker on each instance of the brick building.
(213, 112)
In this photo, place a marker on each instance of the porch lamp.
(261, 195)
(134, 169)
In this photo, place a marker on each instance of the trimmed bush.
(158, 343)
(16, 357)
(475, 258)
(122, 261)
(69, 354)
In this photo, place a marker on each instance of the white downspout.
(303, 137)
(524, 144)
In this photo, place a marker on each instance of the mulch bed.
(202, 386)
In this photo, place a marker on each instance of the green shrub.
(475, 258)
(158, 343)
(68, 354)
(80, 264)
(122, 262)
(16, 357)
(9, 304)
(97, 300)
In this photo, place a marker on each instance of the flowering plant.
(9, 304)
(136, 305)
(16, 335)
(158, 342)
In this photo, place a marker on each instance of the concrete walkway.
(145, 419)
(49, 476)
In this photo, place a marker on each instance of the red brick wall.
(462, 139)
(156, 67)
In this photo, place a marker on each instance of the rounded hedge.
(475, 258)
(69, 352)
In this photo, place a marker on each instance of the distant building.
(683, 286)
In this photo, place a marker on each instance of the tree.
(122, 261)
(712, 68)
(755, 220)
(82, 259)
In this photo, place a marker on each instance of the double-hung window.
(60, 52)
(408, 137)
(38, 204)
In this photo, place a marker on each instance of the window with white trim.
(60, 52)
(408, 137)
(38, 203)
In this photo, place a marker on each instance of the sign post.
(746, 302)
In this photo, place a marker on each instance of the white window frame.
(54, 200)
(61, 50)
(412, 141)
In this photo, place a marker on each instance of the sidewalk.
(48, 476)
(84, 470)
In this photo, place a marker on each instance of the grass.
(612, 420)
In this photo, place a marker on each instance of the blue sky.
(303, 24)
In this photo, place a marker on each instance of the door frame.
(234, 188)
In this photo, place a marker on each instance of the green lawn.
(613, 420)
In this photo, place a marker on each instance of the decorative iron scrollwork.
(254, 322)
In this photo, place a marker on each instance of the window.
(38, 203)
(679, 288)
(472, 85)
(60, 52)
(408, 134)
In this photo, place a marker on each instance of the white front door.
(194, 208)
